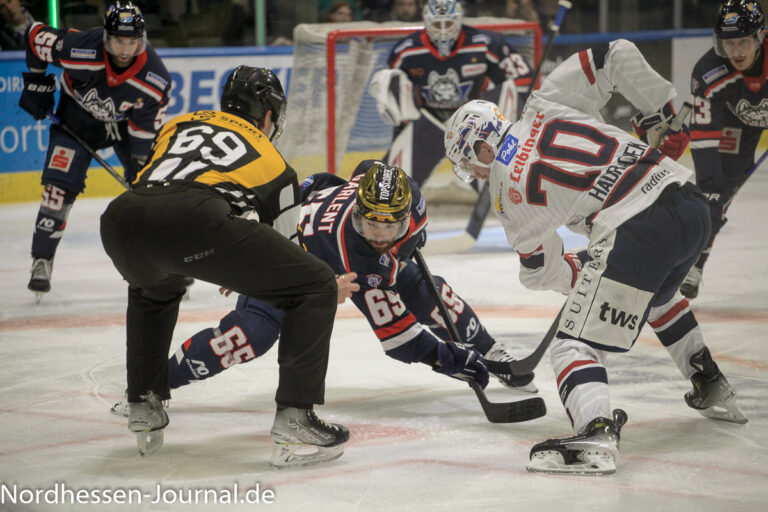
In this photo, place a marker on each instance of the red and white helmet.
(442, 19)
(475, 121)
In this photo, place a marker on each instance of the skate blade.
(121, 408)
(38, 297)
(149, 442)
(729, 412)
(528, 388)
(552, 462)
(292, 456)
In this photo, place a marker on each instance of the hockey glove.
(38, 95)
(576, 261)
(653, 129)
(460, 362)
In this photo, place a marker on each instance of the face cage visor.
(719, 43)
(379, 231)
(115, 43)
(279, 122)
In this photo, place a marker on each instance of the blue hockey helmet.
(124, 20)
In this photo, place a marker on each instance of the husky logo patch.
(507, 151)
(61, 158)
(373, 280)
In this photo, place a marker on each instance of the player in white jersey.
(560, 164)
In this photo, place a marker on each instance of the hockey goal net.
(332, 122)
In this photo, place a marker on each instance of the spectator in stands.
(521, 9)
(405, 10)
(339, 12)
(14, 21)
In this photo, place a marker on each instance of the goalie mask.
(475, 122)
(251, 93)
(382, 211)
(737, 19)
(442, 20)
(124, 34)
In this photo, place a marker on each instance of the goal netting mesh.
(332, 122)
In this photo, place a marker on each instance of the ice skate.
(690, 286)
(121, 407)
(592, 452)
(295, 431)
(147, 420)
(712, 395)
(498, 352)
(40, 282)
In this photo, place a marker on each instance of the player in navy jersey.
(730, 99)
(114, 93)
(368, 226)
(433, 72)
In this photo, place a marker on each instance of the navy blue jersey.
(443, 84)
(326, 226)
(136, 96)
(730, 114)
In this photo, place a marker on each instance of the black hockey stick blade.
(510, 412)
(530, 362)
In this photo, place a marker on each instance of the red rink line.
(345, 312)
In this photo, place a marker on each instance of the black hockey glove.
(38, 95)
(460, 362)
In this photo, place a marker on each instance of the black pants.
(157, 235)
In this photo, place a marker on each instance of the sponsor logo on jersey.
(497, 204)
(156, 80)
(617, 317)
(514, 196)
(474, 69)
(711, 76)
(384, 260)
(507, 150)
(655, 180)
(422, 206)
(61, 158)
(373, 280)
(730, 141)
(82, 53)
(60, 45)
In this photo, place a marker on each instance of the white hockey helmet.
(474, 122)
(442, 19)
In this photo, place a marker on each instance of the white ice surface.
(419, 440)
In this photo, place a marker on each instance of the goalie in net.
(352, 85)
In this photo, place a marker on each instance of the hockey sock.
(679, 332)
(51, 220)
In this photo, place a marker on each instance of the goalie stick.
(54, 119)
(506, 412)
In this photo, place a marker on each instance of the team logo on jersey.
(711, 76)
(508, 150)
(373, 280)
(751, 115)
(82, 53)
(474, 69)
(446, 91)
(61, 158)
(157, 80)
(694, 84)
(422, 206)
(103, 110)
(59, 45)
(384, 260)
(514, 196)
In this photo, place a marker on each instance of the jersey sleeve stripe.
(586, 66)
(706, 134)
(73, 64)
(154, 93)
(135, 131)
(670, 316)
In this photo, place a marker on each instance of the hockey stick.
(88, 148)
(479, 213)
(746, 177)
(508, 412)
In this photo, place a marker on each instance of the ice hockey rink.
(419, 441)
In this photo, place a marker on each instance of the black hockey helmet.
(383, 196)
(738, 18)
(124, 19)
(251, 93)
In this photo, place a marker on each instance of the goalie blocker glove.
(37, 98)
(654, 130)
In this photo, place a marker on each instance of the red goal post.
(352, 53)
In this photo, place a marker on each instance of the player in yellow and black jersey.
(217, 202)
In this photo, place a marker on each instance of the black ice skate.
(712, 395)
(40, 282)
(592, 452)
(690, 286)
(498, 352)
(147, 420)
(296, 429)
